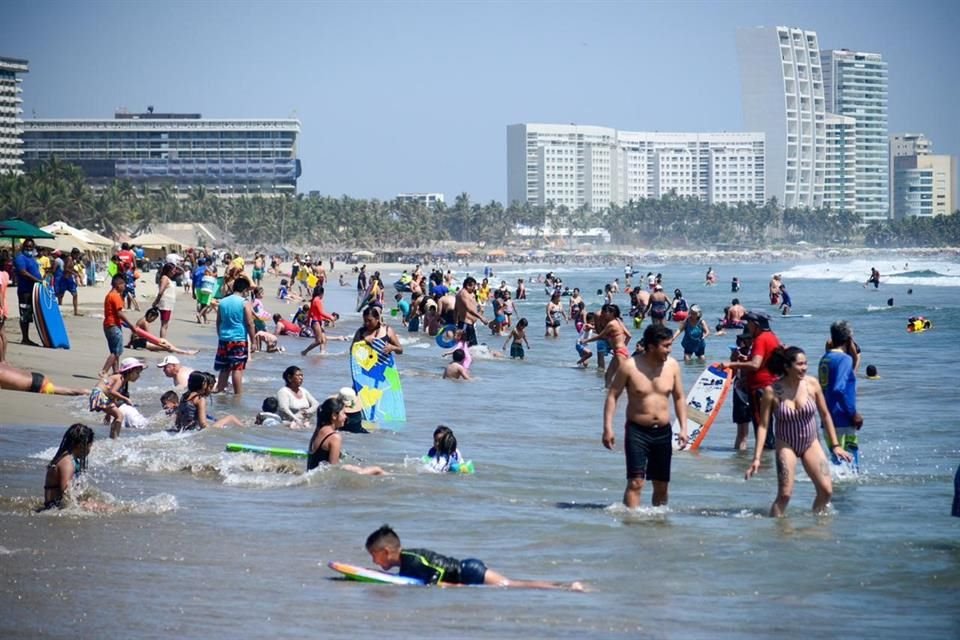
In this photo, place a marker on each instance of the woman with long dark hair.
(69, 461)
(325, 443)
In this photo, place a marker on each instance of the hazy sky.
(398, 96)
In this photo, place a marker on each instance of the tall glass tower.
(782, 88)
(855, 85)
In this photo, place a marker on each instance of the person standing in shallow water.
(234, 329)
(794, 400)
(650, 380)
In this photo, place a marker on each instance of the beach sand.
(79, 366)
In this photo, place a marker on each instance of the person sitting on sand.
(15, 379)
(138, 341)
(384, 548)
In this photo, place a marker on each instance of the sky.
(416, 96)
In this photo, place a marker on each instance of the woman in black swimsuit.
(326, 442)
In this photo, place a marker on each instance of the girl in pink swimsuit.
(794, 401)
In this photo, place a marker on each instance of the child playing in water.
(192, 410)
(586, 332)
(461, 344)
(384, 548)
(169, 402)
(518, 334)
(114, 390)
(69, 461)
(443, 455)
(268, 416)
(455, 370)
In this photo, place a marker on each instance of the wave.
(934, 273)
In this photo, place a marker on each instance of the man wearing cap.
(175, 371)
(351, 406)
(765, 341)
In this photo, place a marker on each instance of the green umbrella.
(17, 228)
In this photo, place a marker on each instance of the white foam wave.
(935, 273)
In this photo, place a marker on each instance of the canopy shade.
(363, 254)
(463, 252)
(95, 240)
(17, 228)
(156, 241)
(65, 242)
(499, 253)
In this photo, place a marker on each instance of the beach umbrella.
(17, 228)
(463, 252)
(363, 254)
(497, 253)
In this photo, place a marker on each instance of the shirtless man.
(175, 371)
(465, 310)
(650, 379)
(616, 336)
(658, 305)
(735, 313)
(455, 370)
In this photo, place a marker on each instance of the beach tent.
(65, 242)
(95, 241)
(363, 254)
(497, 253)
(157, 241)
(463, 252)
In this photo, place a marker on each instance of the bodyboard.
(47, 312)
(704, 401)
(234, 447)
(377, 382)
(360, 574)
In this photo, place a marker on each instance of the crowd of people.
(772, 388)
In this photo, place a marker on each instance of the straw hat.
(351, 403)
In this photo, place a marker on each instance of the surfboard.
(377, 382)
(47, 317)
(235, 447)
(703, 405)
(792, 315)
(352, 572)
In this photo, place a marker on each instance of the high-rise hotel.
(583, 165)
(11, 125)
(855, 85)
(782, 88)
(227, 157)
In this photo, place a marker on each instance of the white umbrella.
(363, 254)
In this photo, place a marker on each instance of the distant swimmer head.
(872, 372)
(889, 302)
(909, 292)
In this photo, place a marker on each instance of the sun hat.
(168, 360)
(351, 403)
(759, 317)
(128, 364)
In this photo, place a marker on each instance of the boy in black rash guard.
(432, 568)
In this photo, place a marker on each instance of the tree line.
(58, 191)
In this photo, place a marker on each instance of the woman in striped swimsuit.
(794, 402)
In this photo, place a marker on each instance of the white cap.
(168, 360)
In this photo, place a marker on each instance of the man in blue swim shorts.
(650, 379)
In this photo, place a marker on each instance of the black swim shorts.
(648, 450)
(25, 300)
(472, 571)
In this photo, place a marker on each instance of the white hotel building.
(11, 125)
(855, 85)
(783, 96)
(582, 165)
(840, 182)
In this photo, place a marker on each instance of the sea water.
(204, 543)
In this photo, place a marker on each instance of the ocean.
(203, 543)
